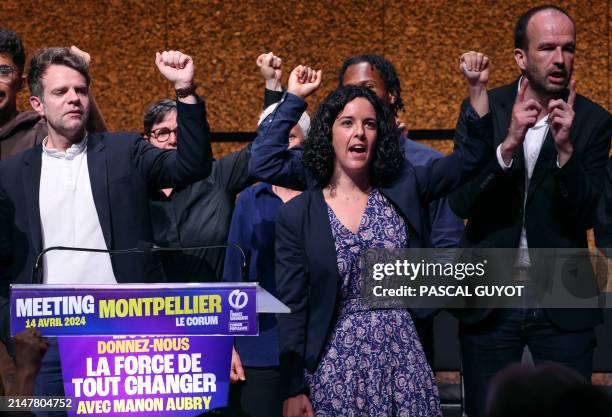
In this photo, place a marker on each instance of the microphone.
(141, 247)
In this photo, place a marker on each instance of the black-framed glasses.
(163, 134)
(6, 71)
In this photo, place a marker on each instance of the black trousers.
(491, 345)
(258, 396)
(425, 330)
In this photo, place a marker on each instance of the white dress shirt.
(69, 218)
(534, 138)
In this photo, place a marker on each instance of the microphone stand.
(143, 247)
(243, 268)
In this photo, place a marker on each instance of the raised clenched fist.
(303, 81)
(475, 67)
(177, 67)
(270, 66)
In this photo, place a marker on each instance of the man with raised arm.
(200, 213)
(91, 190)
(541, 191)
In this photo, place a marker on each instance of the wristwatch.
(187, 91)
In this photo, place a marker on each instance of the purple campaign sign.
(138, 309)
(155, 376)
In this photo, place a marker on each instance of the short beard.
(541, 90)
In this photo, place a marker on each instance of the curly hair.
(388, 161)
(10, 44)
(387, 73)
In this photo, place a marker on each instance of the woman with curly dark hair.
(387, 160)
(338, 355)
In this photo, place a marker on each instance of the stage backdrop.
(424, 39)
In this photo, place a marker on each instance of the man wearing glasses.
(181, 217)
(18, 130)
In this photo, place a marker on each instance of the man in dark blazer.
(541, 191)
(91, 190)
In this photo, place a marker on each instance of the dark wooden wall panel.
(231, 34)
(121, 37)
(423, 38)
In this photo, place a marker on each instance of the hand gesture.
(177, 67)
(271, 70)
(236, 370)
(524, 116)
(81, 54)
(298, 406)
(475, 67)
(560, 119)
(303, 81)
(8, 373)
(18, 378)
(401, 126)
(30, 347)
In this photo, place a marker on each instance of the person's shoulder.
(586, 106)
(298, 205)
(235, 162)
(249, 193)
(231, 159)
(504, 92)
(18, 158)
(25, 124)
(113, 137)
(12, 168)
(419, 154)
(116, 142)
(27, 117)
(214, 179)
(409, 177)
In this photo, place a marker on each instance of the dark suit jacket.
(197, 215)
(561, 203)
(123, 170)
(306, 268)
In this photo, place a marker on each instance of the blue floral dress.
(373, 363)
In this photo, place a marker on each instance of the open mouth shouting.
(558, 76)
(358, 149)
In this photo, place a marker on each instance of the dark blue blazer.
(306, 269)
(123, 170)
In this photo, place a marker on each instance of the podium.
(143, 349)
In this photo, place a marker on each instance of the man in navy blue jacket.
(90, 190)
(121, 170)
